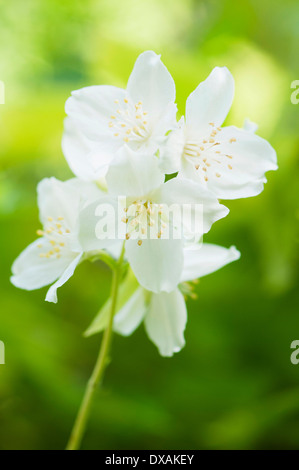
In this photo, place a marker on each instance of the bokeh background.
(233, 386)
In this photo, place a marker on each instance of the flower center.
(187, 289)
(129, 123)
(55, 232)
(206, 155)
(145, 219)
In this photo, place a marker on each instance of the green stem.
(100, 366)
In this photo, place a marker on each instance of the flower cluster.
(129, 154)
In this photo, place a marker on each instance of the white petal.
(31, 271)
(217, 187)
(52, 292)
(133, 174)
(87, 159)
(163, 124)
(166, 321)
(185, 192)
(88, 191)
(200, 260)
(251, 155)
(171, 152)
(157, 263)
(58, 199)
(91, 108)
(131, 314)
(151, 83)
(210, 101)
(98, 225)
(159, 130)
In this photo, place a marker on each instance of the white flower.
(231, 162)
(55, 255)
(101, 119)
(164, 314)
(156, 260)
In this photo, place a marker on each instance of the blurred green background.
(233, 385)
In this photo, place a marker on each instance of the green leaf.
(126, 290)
